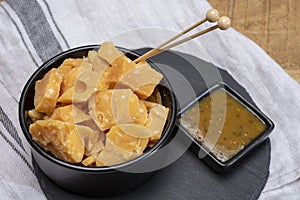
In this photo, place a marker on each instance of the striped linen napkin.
(32, 31)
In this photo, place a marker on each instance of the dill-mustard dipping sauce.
(222, 124)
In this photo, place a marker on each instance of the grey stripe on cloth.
(55, 24)
(20, 33)
(17, 151)
(37, 27)
(11, 129)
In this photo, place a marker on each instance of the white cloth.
(76, 23)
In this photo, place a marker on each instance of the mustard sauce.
(222, 124)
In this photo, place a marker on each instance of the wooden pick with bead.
(212, 16)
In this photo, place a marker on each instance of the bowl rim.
(46, 155)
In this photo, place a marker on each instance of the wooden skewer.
(154, 52)
(223, 23)
(212, 16)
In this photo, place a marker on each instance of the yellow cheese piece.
(151, 143)
(123, 64)
(92, 161)
(155, 97)
(119, 68)
(145, 91)
(58, 137)
(69, 113)
(89, 161)
(99, 163)
(47, 92)
(102, 67)
(149, 104)
(93, 140)
(70, 77)
(35, 115)
(126, 142)
(85, 85)
(109, 52)
(142, 80)
(67, 96)
(99, 64)
(113, 155)
(120, 64)
(69, 64)
(128, 108)
(154, 127)
(154, 139)
(91, 124)
(105, 82)
(111, 107)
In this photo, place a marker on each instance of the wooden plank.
(272, 24)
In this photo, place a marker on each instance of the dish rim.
(248, 105)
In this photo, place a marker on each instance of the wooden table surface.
(272, 24)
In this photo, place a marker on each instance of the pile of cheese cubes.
(95, 111)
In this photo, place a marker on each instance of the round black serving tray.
(189, 177)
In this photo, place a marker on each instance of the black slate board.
(189, 177)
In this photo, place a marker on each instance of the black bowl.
(99, 181)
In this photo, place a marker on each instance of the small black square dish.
(224, 126)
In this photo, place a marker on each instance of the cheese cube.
(47, 92)
(67, 96)
(69, 64)
(58, 137)
(70, 77)
(142, 80)
(126, 142)
(109, 52)
(69, 113)
(119, 106)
